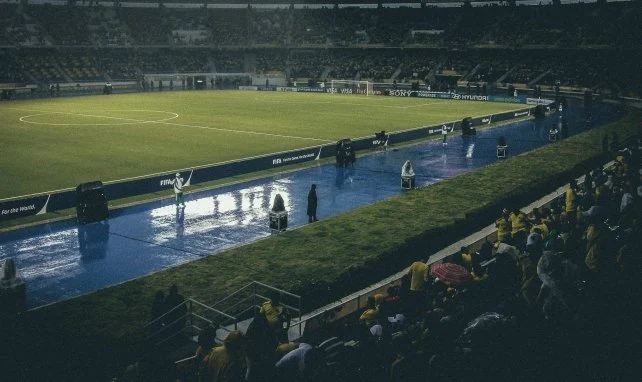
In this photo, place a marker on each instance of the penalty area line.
(244, 132)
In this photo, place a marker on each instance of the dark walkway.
(61, 260)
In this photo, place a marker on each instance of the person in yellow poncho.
(275, 313)
(598, 257)
(571, 202)
(519, 227)
(503, 226)
(371, 314)
(226, 363)
(530, 284)
(418, 272)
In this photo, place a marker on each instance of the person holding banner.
(178, 190)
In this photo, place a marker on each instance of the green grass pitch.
(57, 143)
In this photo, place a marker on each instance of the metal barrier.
(252, 296)
(197, 314)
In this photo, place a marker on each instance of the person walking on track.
(312, 204)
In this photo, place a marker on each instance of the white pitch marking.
(133, 121)
(162, 121)
(420, 105)
(244, 132)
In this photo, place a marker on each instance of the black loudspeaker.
(345, 153)
(278, 221)
(467, 127)
(539, 112)
(91, 202)
(407, 182)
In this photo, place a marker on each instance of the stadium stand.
(403, 44)
(148, 27)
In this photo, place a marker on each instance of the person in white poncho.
(178, 190)
(407, 176)
(407, 170)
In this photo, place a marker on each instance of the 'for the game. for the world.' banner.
(24, 207)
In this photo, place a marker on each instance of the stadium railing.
(197, 315)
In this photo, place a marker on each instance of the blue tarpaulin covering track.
(62, 260)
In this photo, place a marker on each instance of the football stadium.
(314, 191)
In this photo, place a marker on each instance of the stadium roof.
(285, 3)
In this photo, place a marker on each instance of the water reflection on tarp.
(93, 239)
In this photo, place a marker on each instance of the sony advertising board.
(416, 93)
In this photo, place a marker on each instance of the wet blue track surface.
(62, 260)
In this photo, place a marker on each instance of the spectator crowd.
(49, 44)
